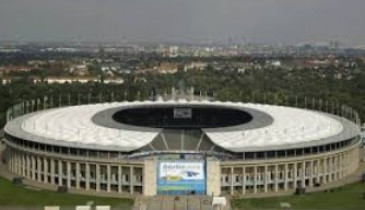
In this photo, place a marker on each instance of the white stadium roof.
(73, 126)
(290, 126)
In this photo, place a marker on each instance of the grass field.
(347, 197)
(11, 195)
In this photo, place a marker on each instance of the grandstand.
(181, 147)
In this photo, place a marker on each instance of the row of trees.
(254, 85)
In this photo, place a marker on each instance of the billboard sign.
(183, 113)
(181, 177)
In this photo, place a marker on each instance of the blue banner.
(181, 178)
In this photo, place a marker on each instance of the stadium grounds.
(181, 147)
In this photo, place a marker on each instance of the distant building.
(173, 51)
(62, 80)
(166, 68)
(6, 81)
(276, 63)
(80, 69)
(195, 66)
(15, 68)
(9, 50)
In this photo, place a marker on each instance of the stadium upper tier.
(265, 127)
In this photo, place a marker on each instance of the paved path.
(176, 203)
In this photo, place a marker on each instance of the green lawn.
(20, 196)
(347, 197)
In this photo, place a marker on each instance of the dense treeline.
(253, 85)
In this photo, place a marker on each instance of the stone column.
(303, 175)
(286, 177)
(295, 175)
(52, 171)
(317, 168)
(33, 168)
(97, 177)
(347, 163)
(11, 161)
(311, 175)
(16, 161)
(77, 175)
(231, 181)
(255, 179)
(243, 180)
(324, 171)
(131, 188)
(39, 169)
(276, 181)
(20, 164)
(341, 166)
(45, 170)
(265, 178)
(354, 158)
(87, 176)
(335, 168)
(344, 164)
(15, 165)
(10, 165)
(68, 174)
(29, 167)
(108, 187)
(330, 168)
(24, 166)
(145, 176)
(60, 173)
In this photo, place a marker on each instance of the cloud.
(145, 20)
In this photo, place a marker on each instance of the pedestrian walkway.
(176, 203)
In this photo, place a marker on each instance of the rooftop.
(272, 127)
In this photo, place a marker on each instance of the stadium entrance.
(181, 177)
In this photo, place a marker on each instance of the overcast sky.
(269, 21)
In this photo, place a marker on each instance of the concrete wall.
(213, 177)
(150, 178)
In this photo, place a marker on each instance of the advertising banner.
(179, 178)
(183, 113)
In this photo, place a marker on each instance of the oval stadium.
(181, 147)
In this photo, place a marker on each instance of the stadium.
(181, 147)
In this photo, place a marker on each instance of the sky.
(266, 21)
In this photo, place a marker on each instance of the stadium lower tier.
(220, 177)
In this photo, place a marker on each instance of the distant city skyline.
(188, 21)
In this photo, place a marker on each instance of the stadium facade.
(181, 147)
